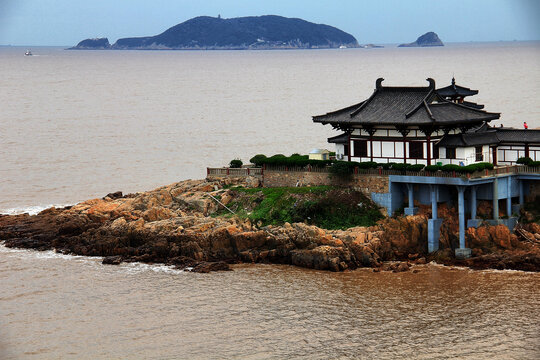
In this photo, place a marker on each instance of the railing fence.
(257, 171)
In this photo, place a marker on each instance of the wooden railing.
(257, 171)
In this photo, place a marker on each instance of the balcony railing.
(259, 172)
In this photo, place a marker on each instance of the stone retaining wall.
(361, 182)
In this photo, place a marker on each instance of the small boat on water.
(28, 53)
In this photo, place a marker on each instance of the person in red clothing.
(525, 125)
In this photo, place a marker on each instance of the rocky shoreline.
(177, 225)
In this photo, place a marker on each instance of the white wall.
(340, 152)
(465, 155)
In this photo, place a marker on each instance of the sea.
(76, 125)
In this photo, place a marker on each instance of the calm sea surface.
(79, 124)
(76, 125)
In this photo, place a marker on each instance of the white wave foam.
(130, 268)
(48, 254)
(135, 268)
(32, 210)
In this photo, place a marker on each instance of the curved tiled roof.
(339, 139)
(405, 106)
(454, 90)
(491, 136)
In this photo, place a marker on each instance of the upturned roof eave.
(317, 118)
(416, 123)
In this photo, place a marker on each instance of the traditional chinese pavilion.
(424, 125)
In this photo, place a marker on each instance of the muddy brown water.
(58, 306)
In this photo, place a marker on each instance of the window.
(435, 152)
(450, 153)
(360, 148)
(416, 150)
(478, 152)
(346, 149)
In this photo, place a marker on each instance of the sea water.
(80, 124)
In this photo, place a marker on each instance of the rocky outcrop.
(176, 225)
(428, 39)
(93, 44)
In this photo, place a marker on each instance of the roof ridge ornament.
(378, 83)
(431, 83)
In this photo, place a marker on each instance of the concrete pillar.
(495, 199)
(473, 221)
(461, 211)
(521, 192)
(509, 196)
(473, 202)
(433, 189)
(411, 210)
(434, 224)
(462, 252)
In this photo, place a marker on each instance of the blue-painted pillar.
(411, 195)
(461, 210)
(473, 222)
(434, 224)
(473, 202)
(509, 196)
(411, 210)
(495, 199)
(521, 193)
(433, 189)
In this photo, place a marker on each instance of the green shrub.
(342, 168)
(432, 168)
(258, 159)
(470, 168)
(486, 165)
(293, 160)
(535, 163)
(387, 166)
(236, 163)
(367, 165)
(524, 160)
(278, 159)
(416, 167)
(450, 168)
(400, 166)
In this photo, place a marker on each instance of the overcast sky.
(66, 22)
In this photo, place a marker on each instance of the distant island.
(216, 33)
(428, 39)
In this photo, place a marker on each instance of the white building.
(422, 125)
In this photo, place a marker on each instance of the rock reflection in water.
(55, 306)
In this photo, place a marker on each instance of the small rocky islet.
(426, 40)
(183, 226)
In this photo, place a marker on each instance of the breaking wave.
(31, 210)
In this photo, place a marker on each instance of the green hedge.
(524, 161)
(527, 161)
(236, 163)
(432, 168)
(282, 160)
(347, 167)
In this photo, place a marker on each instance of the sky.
(66, 22)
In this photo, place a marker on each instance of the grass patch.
(324, 206)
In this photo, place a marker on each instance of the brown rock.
(114, 195)
(402, 266)
(206, 267)
(112, 260)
